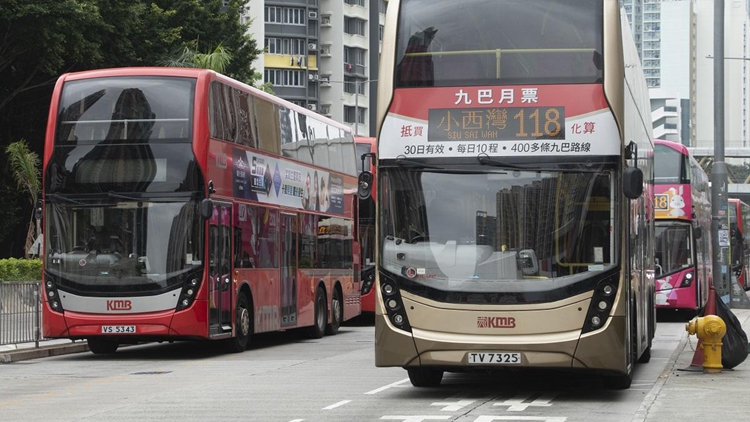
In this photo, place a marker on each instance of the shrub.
(13, 269)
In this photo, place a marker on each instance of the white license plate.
(118, 329)
(494, 358)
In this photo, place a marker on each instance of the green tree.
(218, 60)
(24, 165)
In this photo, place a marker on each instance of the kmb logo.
(119, 305)
(496, 322)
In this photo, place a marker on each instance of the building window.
(283, 77)
(286, 46)
(288, 15)
(355, 2)
(351, 84)
(349, 114)
(354, 26)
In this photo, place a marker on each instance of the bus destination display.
(496, 124)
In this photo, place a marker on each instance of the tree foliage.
(41, 39)
(24, 165)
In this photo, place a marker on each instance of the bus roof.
(682, 149)
(186, 72)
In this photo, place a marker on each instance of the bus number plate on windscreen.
(118, 329)
(498, 358)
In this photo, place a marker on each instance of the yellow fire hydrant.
(710, 329)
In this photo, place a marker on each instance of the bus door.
(288, 270)
(220, 270)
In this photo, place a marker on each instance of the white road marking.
(415, 418)
(453, 406)
(335, 405)
(517, 403)
(521, 418)
(296, 420)
(395, 384)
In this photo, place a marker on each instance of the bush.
(13, 269)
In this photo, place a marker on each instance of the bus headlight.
(50, 288)
(687, 280)
(601, 303)
(190, 289)
(394, 306)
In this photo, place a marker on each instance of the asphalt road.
(286, 377)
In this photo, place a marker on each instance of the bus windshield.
(673, 248)
(499, 42)
(673, 167)
(123, 246)
(525, 232)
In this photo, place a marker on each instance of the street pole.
(356, 107)
(719, 215)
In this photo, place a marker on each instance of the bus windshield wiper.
(403, 161)
(112, 194)
(63, 199)
(485, 160)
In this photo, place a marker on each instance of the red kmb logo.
(119, 305)
(496, 322)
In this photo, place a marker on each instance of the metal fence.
(20, 313)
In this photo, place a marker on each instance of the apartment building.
(322, 54)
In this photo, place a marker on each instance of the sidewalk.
(681, 395)
(25, 351)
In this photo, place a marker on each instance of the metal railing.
(20, 313)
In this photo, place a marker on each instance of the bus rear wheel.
(425, 377)
(321, 315)
(337, 314)
(102, 346)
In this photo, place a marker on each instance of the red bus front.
(124, 240)
(683, 222)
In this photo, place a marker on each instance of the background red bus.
(682, 210)
(367, 226)
(182, 204)
(739, 223)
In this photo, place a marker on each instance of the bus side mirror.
(364, 185)
(207, 208)
(632, 182)
(38, 209)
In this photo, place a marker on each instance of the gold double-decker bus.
(515, 206)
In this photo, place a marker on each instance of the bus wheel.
(425, 377)
(337, 314)
(102, 346)
(243, 324)
(321, 315)
(618, 382)
(646, 356)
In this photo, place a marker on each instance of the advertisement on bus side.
(269, 180)
(499, 121)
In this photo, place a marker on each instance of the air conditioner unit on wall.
(312, 46)
(313, 15)
(312, 107)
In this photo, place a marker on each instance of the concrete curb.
(43, 352)
(642, 414)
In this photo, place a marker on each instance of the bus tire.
(618, 382)
(243, 321)
(102, 346)
(646, 356)
(320, 317)
(337, 313)
(425, 377)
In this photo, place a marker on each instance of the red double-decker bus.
(182, 204)
(366, 145)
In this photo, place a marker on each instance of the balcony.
(355, 69)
